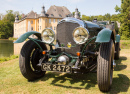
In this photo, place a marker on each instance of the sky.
(86, 7)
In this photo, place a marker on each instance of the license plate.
(56, 67)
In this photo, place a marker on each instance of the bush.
(11, 38)
(2, 59)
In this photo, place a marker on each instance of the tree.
(92, 18)
(116, 27)
(124, 18)
(19, 14)
(114, 17)
(5, 29)
(1, 15)
(100, 18)
(6, 25)
(9, 16)
(117, 9)
(86, 18)
(108, 17)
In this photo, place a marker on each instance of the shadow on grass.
(120, 83)
(89, 78)
(119, 65)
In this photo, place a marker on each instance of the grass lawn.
(12, 81)
(2, 59)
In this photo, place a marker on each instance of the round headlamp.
(48, 35)
(80, 35)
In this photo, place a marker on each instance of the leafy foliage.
(124, 18)
(117, 9)
(106, 17)
(2, 59)
(6, 25)
(6, 29)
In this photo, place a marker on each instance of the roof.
(53, 11)
(32, 14)
(58, 11)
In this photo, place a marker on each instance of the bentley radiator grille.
(64, 35)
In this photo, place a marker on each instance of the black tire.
(117, 49)
(29, 57)
(105, 66)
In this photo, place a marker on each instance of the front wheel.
(105, 66)
(29, 58)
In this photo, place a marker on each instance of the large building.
(38, 22)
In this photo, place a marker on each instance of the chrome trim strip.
(50, 30)
(87, 34)
(73, 20)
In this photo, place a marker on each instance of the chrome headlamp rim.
(42, 35)
(80, 27)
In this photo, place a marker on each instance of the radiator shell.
(64, 36)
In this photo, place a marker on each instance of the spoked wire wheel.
(29, 58)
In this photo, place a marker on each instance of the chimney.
(16, 18)
(77, 14)
(43, 12)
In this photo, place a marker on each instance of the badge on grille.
(62, 45)
(69, 44)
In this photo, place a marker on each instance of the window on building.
(57, 20)
(49, 20)
(40, 27)
(51, 27)
(53, 20)
(54, 28)
(40, 19)
(31, 28)
(31, 22)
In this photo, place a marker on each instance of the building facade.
(37, 22)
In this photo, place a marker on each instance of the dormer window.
(52, 15)
(60, 15)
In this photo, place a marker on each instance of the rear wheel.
(29, 58)
(105, 66)
(117, 49)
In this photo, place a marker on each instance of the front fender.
(26, 35)
(104, 35)
(117, 38)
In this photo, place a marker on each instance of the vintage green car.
(77, 47)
